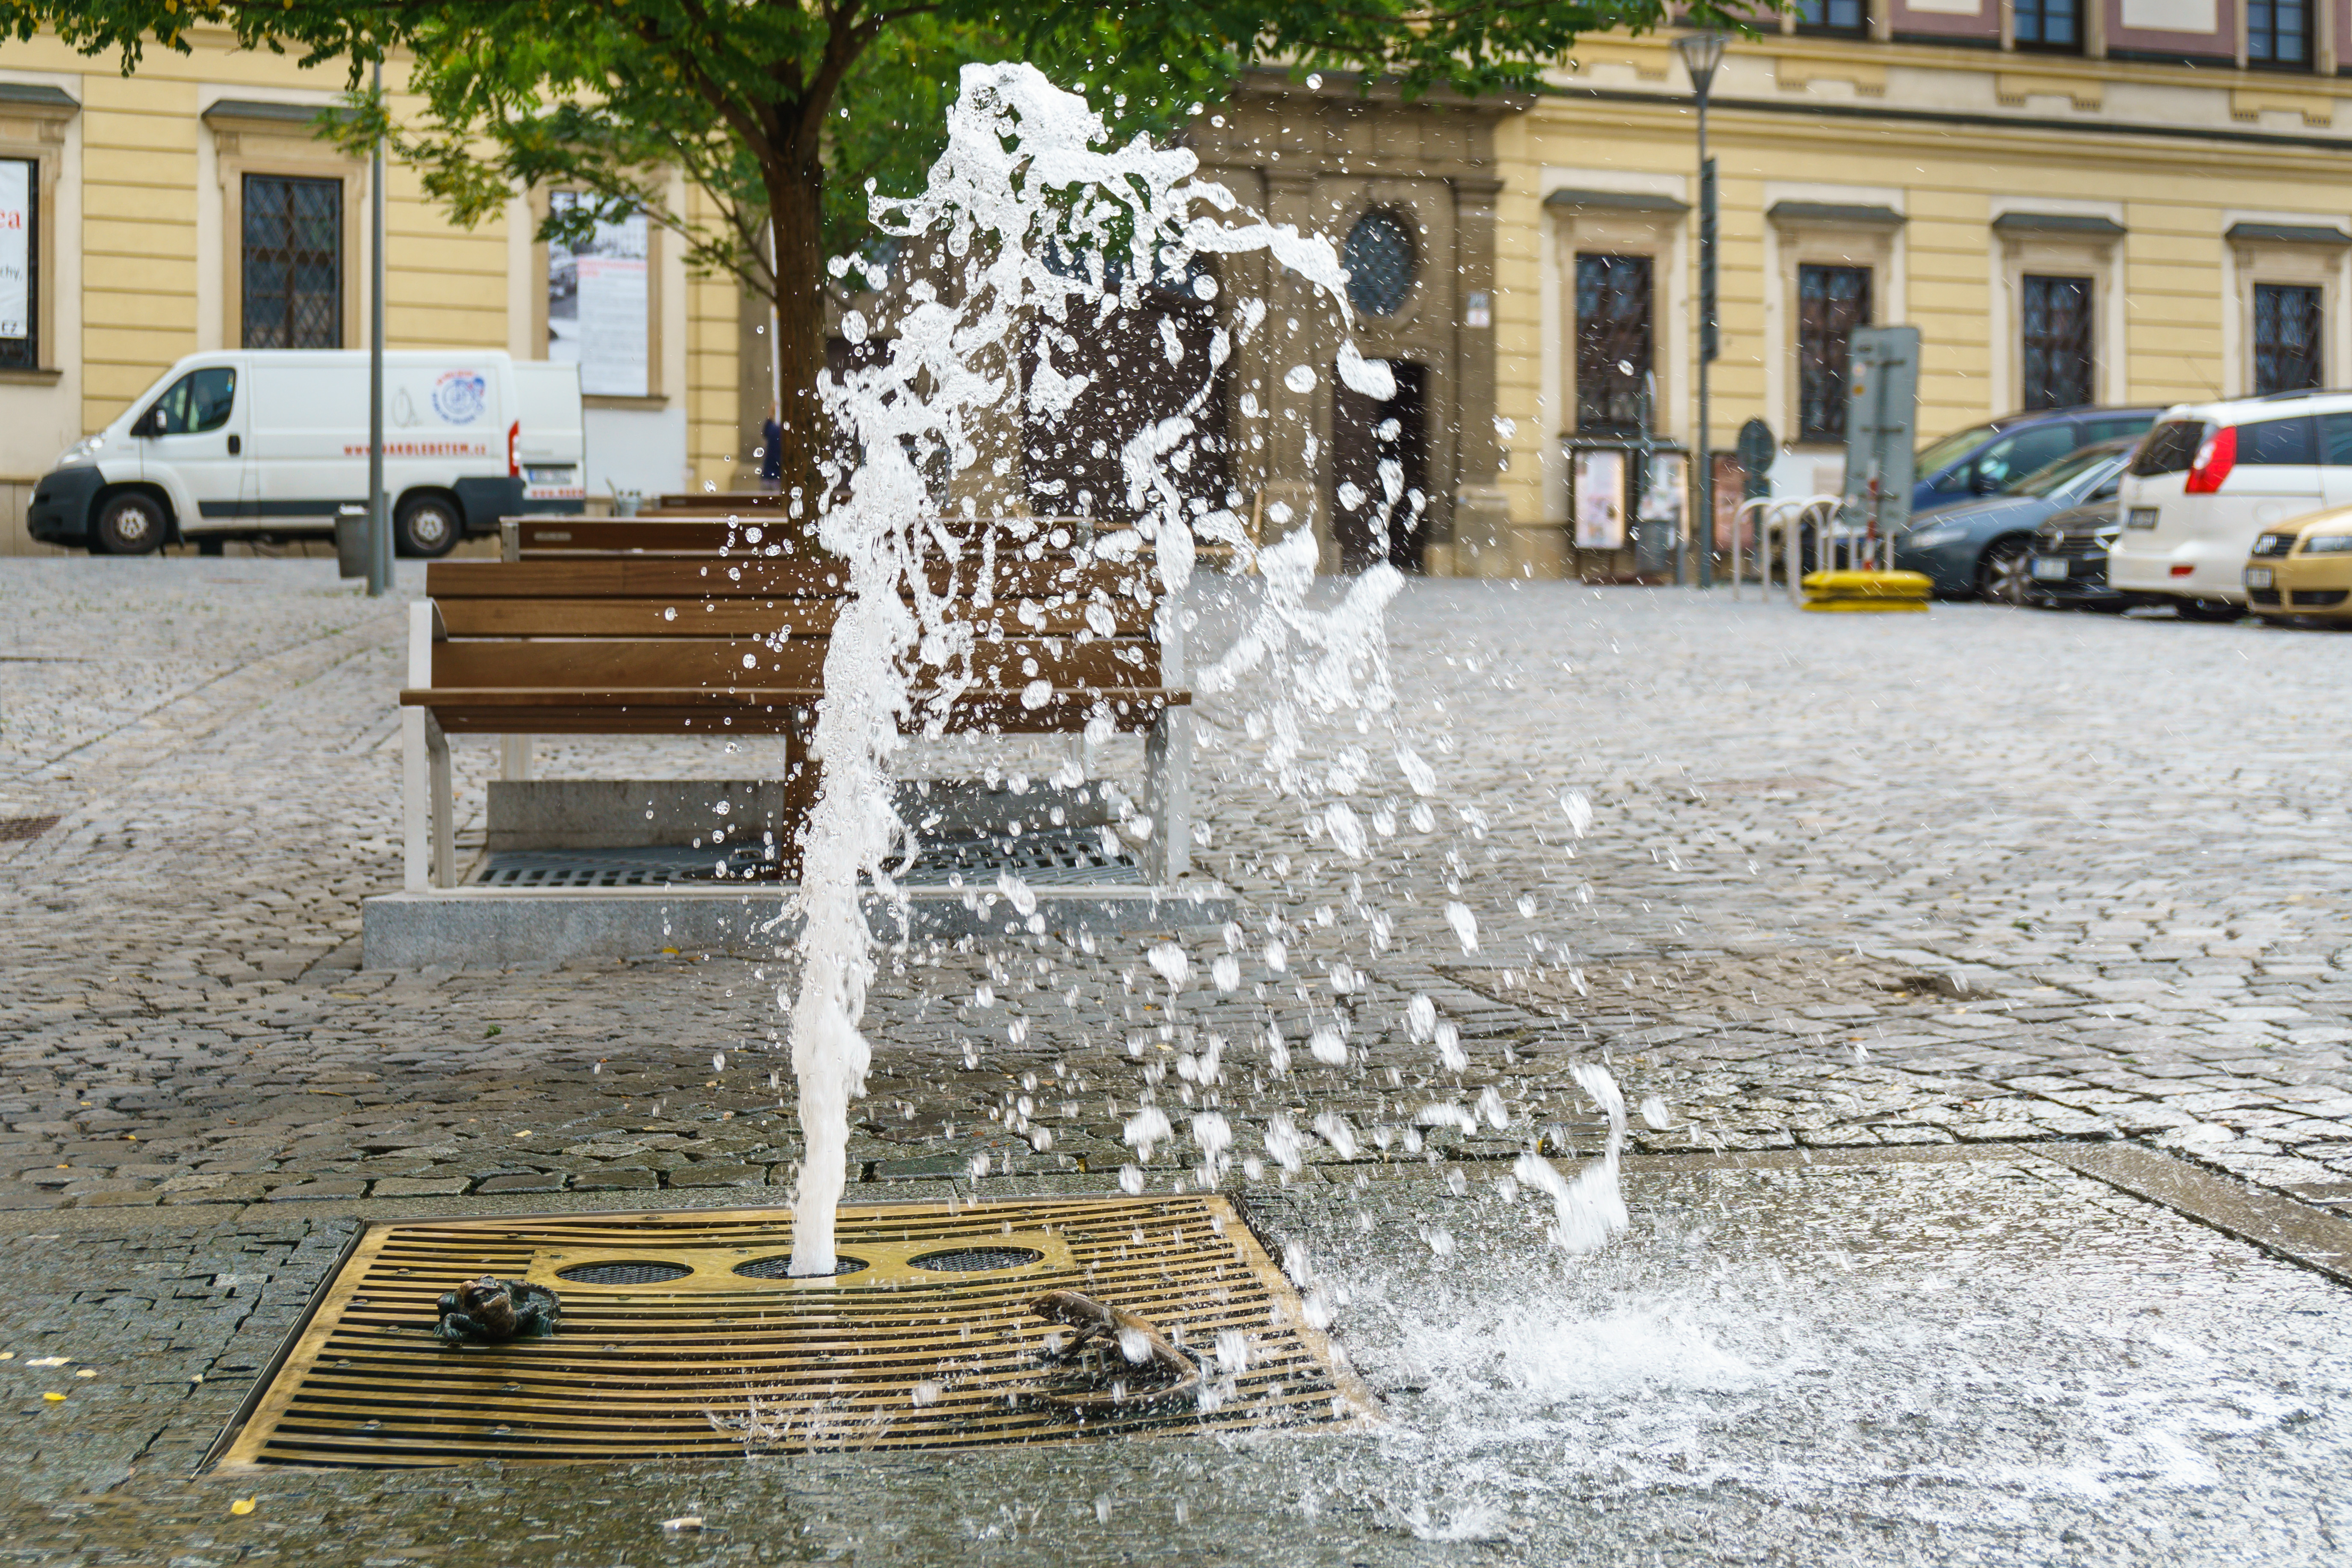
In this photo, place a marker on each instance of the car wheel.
(2006, 576)
(427, 525)
(2216, 610)
(132, 523)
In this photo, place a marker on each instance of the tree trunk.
(795, 185)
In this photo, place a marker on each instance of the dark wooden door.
(1365, 434)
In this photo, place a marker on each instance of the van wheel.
(427, 525)
(2007, 577)
(2207, 610)
(132, 523)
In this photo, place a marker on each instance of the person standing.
(772, 450)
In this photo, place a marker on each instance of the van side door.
(192, 441)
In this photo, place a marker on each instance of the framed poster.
(1598, 480)
(1665, 495)
(17, 189)
(1730, 490)
(598, 298)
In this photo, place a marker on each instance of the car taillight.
(514, 449)
(2214, 461)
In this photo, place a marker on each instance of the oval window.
(1378, 259)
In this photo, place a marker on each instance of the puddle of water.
(2000, 1361)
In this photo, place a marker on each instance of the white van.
(272, 444)
(2209, 478)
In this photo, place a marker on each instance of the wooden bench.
(687, 644)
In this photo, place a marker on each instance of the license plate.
(2140, 517)
(2048, 570)
(2258, 576)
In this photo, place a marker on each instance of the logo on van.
(460, 395)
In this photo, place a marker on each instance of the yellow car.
(2303, 568)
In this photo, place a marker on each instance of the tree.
(780, 113)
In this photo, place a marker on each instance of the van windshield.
(1943, 454)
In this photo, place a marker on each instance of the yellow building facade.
(138, 240)
(1964, 178)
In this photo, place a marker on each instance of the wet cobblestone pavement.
(1973, 879)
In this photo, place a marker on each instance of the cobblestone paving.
(1980, 875)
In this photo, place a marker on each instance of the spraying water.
(1033, 208)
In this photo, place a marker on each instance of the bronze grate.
(682, 1336)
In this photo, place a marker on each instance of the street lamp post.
(379, 528)
(1701, 52)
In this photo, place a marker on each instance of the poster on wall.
(597, 300)
(1665, 498)
(15, 248)
(1600, 481)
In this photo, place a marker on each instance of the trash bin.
(352, 539)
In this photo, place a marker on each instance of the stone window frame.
(2057, 244)
(538, 199)
(2316, 253)
(254, 137)
(1626, 224)
(33, 121)
(1826, 233)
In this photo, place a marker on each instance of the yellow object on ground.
(1866, 592)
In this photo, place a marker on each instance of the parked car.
(2209, 478)
(1987, 458)
(2303, 569)
(2069, 563)
(1982, 547)
(272, 444)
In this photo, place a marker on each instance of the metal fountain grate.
(927, 1344)
(1050, 860)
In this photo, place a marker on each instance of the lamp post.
(379, 529)
(1701, 52)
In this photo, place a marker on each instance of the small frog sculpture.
(493, 1312)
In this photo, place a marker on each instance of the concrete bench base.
(491, 928)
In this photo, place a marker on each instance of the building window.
(2286, 337)
(293, 263)
(2278, 32)
(2057, 342)
(1612, 342)
(1378, 255)
(1832, 302)
(1851, 17)
(20, 250)
(2049, 24)
(599, 295)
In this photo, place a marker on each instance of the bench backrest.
(764, 625)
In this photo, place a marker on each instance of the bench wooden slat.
(572, 711)
(749, 665)
(782, 578)
(530, 618)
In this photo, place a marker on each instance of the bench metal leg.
(416, 822)
(445, 812)
(1168, 795)
(428, 847)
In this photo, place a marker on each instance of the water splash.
(1027, 185)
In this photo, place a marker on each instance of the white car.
(2209, 478)
(273, 443)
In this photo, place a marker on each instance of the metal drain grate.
(624, 1273)
(1071, 858)
(973, 1259)
(15, 829)
(899, 1354)
(781, 1266)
